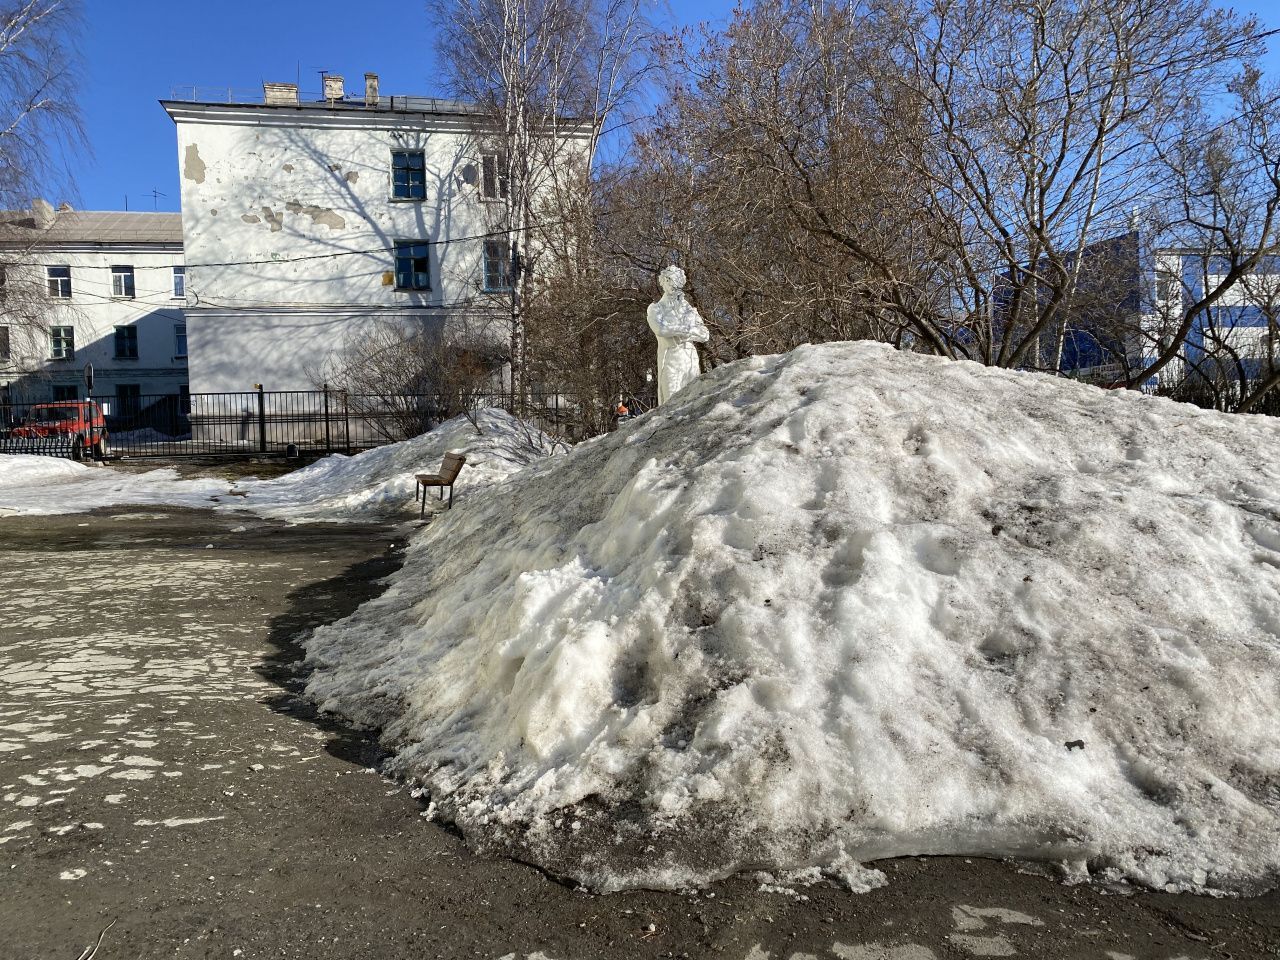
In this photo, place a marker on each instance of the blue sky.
(137, 51)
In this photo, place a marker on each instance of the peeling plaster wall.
(289, 227)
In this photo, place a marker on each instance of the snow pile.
(381, 481)
(40, 486)
(846, 604)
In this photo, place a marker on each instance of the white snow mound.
(845, 604)
(42, 486)
(381, 481)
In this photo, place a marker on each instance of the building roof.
(91, 226)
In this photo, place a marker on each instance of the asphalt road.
(162, 782)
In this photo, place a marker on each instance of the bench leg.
(450, 496)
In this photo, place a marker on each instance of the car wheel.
(100, 450)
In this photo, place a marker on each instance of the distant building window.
(408, 175)
(179, 339)
(128, 399)
(179, 283)
(59, 282)
(4, 342)
(413, 271)
(497, 266)
(4, 284)
(493, 179)
(122, 281)
(65, 391)
(62, 343)
(126, 343)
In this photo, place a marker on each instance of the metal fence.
(288, 422)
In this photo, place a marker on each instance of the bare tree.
(548, 75)
(403, 382)
(39, 122)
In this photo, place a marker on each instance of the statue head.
(671, 278)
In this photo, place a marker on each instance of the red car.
(79, 420)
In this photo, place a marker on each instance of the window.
(412, 270)
(62, 343)
(4, 284)
(4, 342)
(408, 175)
(65, 391)
(497, 266)
(179, 283)
(179, 340)
(59, 282)
(122, 281)
(128, 399)
(493, 181)
(126, 343)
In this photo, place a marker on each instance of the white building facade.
(80, 288)
(308, 223)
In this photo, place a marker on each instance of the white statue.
(678, 326)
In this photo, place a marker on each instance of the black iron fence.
(274, 422)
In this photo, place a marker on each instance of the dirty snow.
(845, 604)
(376, 483)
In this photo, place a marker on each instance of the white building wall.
(94, 313)
(289, 227)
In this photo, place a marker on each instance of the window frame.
(62, 281)
(409, 170)
(66, 340)
(128, 402)
(6, 343)
(397, 256)
(495, 264)
(126, 334)
(65, 392)
(123, 282)
(493, 169)
(180, 283)
(180, 338)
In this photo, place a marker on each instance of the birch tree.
(549, 77)
(39, 122)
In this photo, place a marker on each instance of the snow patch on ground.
(379, 482)
(41, 486)
(375, 484)
(845, 604)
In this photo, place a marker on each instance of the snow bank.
(40, 486)
(380, 481)
(374, 484)
(846, 604)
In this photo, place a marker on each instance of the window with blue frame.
(497, 266)
(408, 175)
(413, 271)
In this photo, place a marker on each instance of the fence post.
(262, 419)
(346, 421)
(328, 444)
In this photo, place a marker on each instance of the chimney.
(333, 87)
(370, 89)
(283, 93)
(42, 212)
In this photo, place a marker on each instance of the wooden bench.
(449, 471)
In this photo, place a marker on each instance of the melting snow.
(845, 604)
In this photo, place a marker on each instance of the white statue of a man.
(678, 326)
